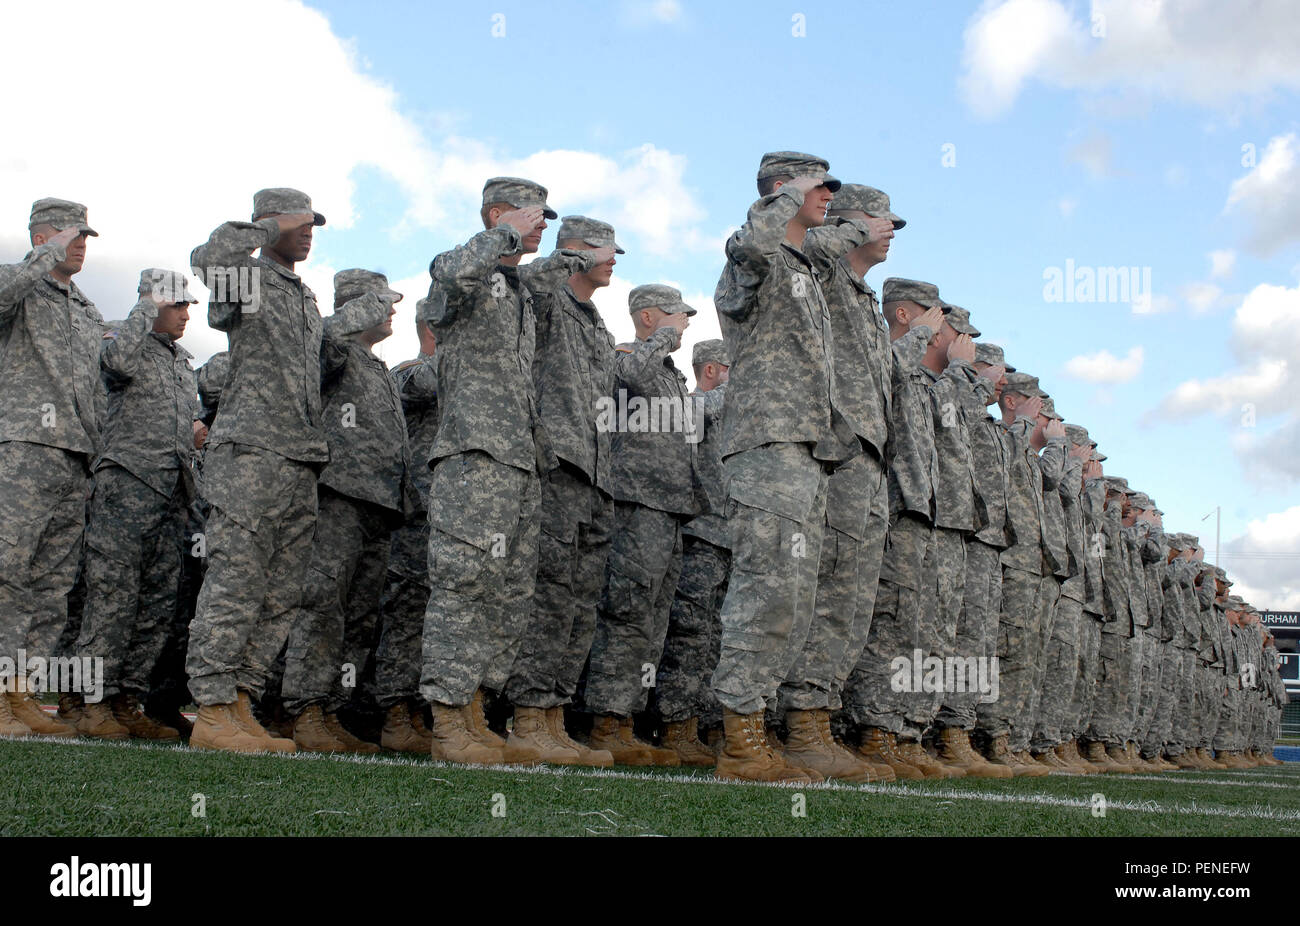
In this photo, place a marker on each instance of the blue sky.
(1013, 136)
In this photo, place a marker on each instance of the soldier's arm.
(1051, 460)
(637, 364)
(120, 355)
(460, 274)
(1071, 481)
(211, 380)
(550, 273)
(217, 263)
(750, 251)
(910, 348)
(17, 280)
(710, 404)
(417, 380)
(824, 246)
(1153, 549)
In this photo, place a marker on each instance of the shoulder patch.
(623, 348)
(405, 364)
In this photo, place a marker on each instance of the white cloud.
(1152, 304)
(1201, 296)
(1105, 367)
(1222, 263)
(1264, 562)
(1094, 153)
(1269, 195)
(1067, 205)
(1202, 51)
(649, 12)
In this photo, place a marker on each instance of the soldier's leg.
(1157, 733)
(1020, 593)
(513, 604)
(811, 683)
(1039, 632)
(58, 552)
(361, 611)
(1085, 689)
(406, 592)
(1060, 675)
(594, 538)
(168, 687)
(684, 666)
(960, 639)
(159, 591)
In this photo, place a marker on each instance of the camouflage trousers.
(42, 522)
(937, 632)
(1147, 671)
(577, 523)
(483, 518)
(1183, 734)
(401, 614)
(850, 559)
(694, 634)
(1060, 674)
(907, 589)
(1227, 734)
(1089, 669)
(134, 547)
(776, 508)
(977, 631)
(1209, 691)
(169, 688)
(333, 630)
(645, 562)
(1111, 719)
(1160, 730)
(1017, 623)
(258, 538)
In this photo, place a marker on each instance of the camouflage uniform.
(486, 458)
(1143, 654)
(655, 487)
(144, 485)
(782, 432)
(264, 451)
(363, 497)
(50, 409)
(1180, 619)
(1110, 724)
(1081, 521)
(573, 370)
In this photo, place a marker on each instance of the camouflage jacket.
(777, 327)
(1154, 551)
(1069, 491)
(1055, 553)
(990, 450)
(1092, 502)
(417, 384)
(50, 391)
(863, 358)
(654, 449)
(1117, 570)
(152, 403)
(954, 492)
(573, 370)
(1030, 475)
(271, 398)
(912, 461)
(482, 311)
(712, 525)
(211, 380)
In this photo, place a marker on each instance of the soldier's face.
(75, 256)
(533, 240)
(172, 319)
(599, 275)
(813, 211)
(295, 245)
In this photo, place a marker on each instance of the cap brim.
(317, 219)
(898, 223)
(393, 292)
(1008, 367)
(685, 309)
(550, 213)
(831, 183)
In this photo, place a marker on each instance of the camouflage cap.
(856, 197)
(991, 354)
(1023, 384)
(1236, 602)
(589, 231)
(1118, 483)
(348, 284)
(166, 286)
(1049, 408)
(713, 350)
(796, 164)
(519, 193)
(360, 313)
(959, 319)
(283, 200)
(1141, 500)
(657, 296)
(1098, 455)
(1179, 541)
(61, 214)
(897, 289)
(1078, 434)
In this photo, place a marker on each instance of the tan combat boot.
(248, 723)
(217, 727)
(1051, 761)
(878, 747)
(1119, 758)
(1205, 757)
(454, 742)
(128, 712)
(351, 741)
(1070, 756)
(747, 755)
(530, 731)
(610, 733)
(999, 753)
(955, 749)
(587, 757)
(681, 737)
(875, 771)
(9, 724)
(71, 704)
(310, 734)
(400, 734)
(478, 725)
(1024, 766)
(97, 720)
(806, 749)
(24, 706)
(915, 755)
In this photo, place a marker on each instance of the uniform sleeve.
(417, 381)
(751, 249)
(638, 364)
(910, 348)
(459, 275)
(824, 246)
(551, 273)
(18, 280)
(1052, 462)
(120, 356)
(217, 263)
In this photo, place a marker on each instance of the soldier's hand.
(962, 348)
(523, 220)
(1054, 428)
(200, 435)
(994, 373)
(1030, 407)
(678, 320)
(804, 184)
(879, 228)
(288, 221)
(932, 318)
(65, 237)
(1092, 470)
(1080, 451)
(602, 255)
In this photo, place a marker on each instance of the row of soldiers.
(588, 541)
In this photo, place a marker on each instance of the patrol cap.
(348, 284)
(589, 231)
(657, 296)
(60, 213)
(358, 314)
(796, 164)
(1236, 602)
(1023, 384)
(1098, 455)
(992, 354)
(1049, 408)
(1118, 483)
(959, 319)
(519, 193)
(713, 350)
(282, 200)
(1078, 434)
(166, 286)
(898, 289)
(1179, 541)
(1141, 500)
(856, 197)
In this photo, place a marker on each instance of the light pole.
(1215, 512)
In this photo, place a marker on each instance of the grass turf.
(82, 788)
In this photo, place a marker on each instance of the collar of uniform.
(588, 305)
(859, 283)
(800, 254)
(175, 346)
(71, 290)
(281, 269)
(934, 377)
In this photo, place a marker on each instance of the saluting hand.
(932, 318)
(962, 348)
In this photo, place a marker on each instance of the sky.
(1041, 151)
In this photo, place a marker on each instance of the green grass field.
(83, 788)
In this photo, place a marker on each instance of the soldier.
(573, 372)
(144, 485)
(487, 459)
(654, 484)
(887, 715)
(691, 647)
(362, 496)
(406, 591)
(782, 432)
(855, 238)
(50, 399)
(1180, 622)
(1157, 694)
(260, 465)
